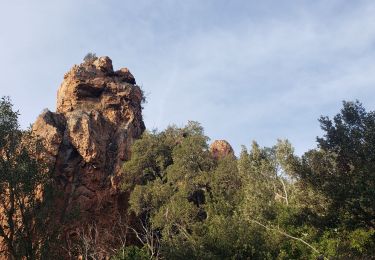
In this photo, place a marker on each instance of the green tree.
(267, 204)
(338, 181)
(22, 180)
(271, 203)
(343, 169)
(188, 198)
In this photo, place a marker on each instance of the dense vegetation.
(24, 190)
(266, 204)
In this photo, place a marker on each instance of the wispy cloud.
(244, 69)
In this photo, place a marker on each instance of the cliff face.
(88, 138)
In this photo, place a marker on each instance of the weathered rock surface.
(221, 148)
(88, 138)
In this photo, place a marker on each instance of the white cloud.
(246, 70)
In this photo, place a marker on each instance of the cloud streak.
(246, 70)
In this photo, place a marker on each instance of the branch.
(147, 239)
(5, 237)
(287, 235)
(286, 194)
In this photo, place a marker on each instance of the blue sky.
(246, 70)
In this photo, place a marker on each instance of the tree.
(271, 203)
(343, 169)
(22, 180)
(267, 204)
(338, 181)
(90, 57)
(170, 172)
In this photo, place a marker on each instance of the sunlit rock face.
(220, 149)
(89, 137)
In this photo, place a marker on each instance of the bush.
(131, 253)
(90, 57)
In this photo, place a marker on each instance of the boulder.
(220, 149)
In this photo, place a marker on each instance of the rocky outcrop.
(220, 149)
(88, 138)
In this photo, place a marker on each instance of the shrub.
(131, 252)
(90, 57)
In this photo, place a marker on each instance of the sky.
(246, 70)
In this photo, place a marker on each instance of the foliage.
(22, 181)
(187, 204)
(344, 167)
(131, 253)
(268, 203)
(341, 175)
(90, 57)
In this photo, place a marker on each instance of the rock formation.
(221, 148)
(88, 138)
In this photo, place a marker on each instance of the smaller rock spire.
(220, 149)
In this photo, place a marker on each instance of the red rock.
(88, 138)
(220, 149)
(125, 75)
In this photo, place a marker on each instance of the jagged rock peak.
(221, 148)
(95, 84)
(88, 138)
